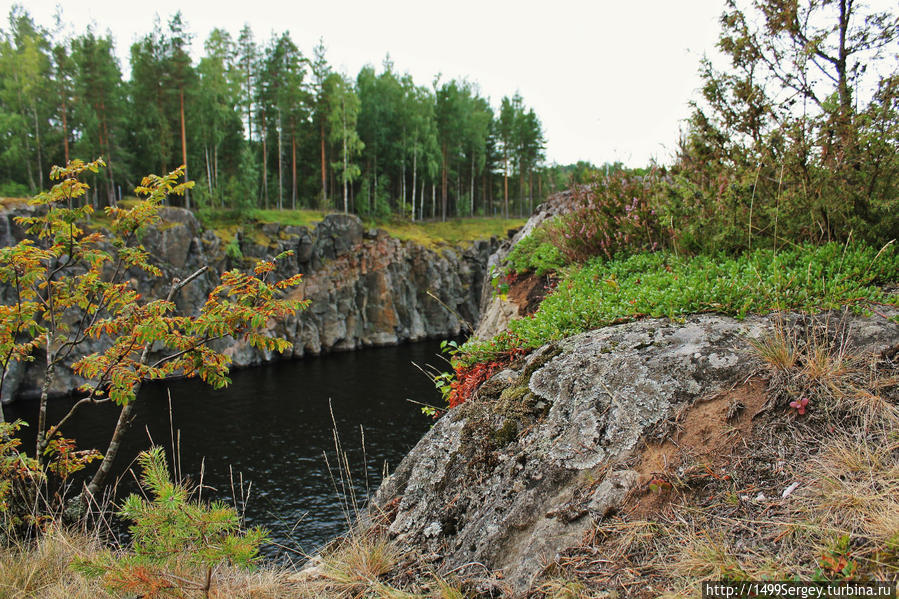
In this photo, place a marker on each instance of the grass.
(41, 569)
(662, 284)
(429, 233)
(452, 232)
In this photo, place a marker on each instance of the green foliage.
(795, 140)
(11, 189)
(257, 122)
(24, 479)
(662, 284)
(70, 286)
(177, 541)
(535, 254)
(232, 250)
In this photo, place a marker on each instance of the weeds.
(41, 568)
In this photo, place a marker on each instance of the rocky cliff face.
(366, 288)
(497, 312)
(548, 449)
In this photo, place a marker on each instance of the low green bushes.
(602, 292)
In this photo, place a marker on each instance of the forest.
(258, 124)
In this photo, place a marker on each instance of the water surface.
(272, 427)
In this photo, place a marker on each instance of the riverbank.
(366, 287)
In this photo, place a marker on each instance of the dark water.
(273, 427)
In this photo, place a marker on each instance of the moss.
(226, 233)
(505, 434)
(450, 233)
(513, 393)
(538, 361)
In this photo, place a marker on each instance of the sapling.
(70, 285)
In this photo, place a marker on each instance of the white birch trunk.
(414, 173)
(280, 165)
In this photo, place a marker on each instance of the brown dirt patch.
(707, 433)
(527, 291)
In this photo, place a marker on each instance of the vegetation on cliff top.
(259, 124)
(661, 284)
(433, 233)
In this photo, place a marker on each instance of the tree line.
(260, 125)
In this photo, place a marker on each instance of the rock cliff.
(366, 288)
(508, 484)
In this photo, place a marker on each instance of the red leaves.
(469, 378)
(799, 405)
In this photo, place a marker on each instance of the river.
(269, 433)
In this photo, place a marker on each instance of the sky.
(610, 80)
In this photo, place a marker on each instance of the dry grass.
(41, 570)
(359, 562)
(779, 348)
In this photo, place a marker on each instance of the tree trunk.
(184, 149)
(530, 192)
(110, 194)
(414, 177)
(264, 161)
(346, 204)
(126, 414)
(506, 185)
(208, 170)
(65, 131)
(324, 170)
(40, 164)
(293, 168)
(24, 114)
(215, 175)
(280, 165)
(471, 191)
(843, 91)
(443, 184)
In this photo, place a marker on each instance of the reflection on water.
(272, 429)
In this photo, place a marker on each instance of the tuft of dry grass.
(779, 348)
(40, 569)
(353, 566)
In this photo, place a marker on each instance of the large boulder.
(521, 471)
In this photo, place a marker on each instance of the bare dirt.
(527, 291)
(706, 435)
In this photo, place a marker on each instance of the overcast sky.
(610, 80)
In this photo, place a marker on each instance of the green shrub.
(662, 284)
(177, 542)
(535, 254)
(11, 189)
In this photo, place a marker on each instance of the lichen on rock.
(520, 472)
